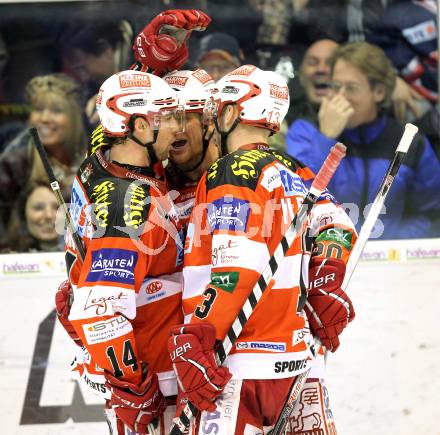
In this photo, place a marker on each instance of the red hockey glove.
(62, 298)
(136, 405)
(328, 308)
(161, 46)
(191, 349)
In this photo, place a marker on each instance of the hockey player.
(191, 153)
(126, 224)
(195, 149)
(243, 205)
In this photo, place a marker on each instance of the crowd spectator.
(32, 225)
(408, 34)
(314, 77)
(92, 52)
(354, 112)
(218, 53)
(55, 101)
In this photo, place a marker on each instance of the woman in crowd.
(55, 102)
(362, 81)
(32, 226)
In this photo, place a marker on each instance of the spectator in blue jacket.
(362, 82)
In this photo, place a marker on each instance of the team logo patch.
(228, 213)
(113, 265)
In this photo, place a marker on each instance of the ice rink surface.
(385, 377)
(383, 380)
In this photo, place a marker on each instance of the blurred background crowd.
(357, 71)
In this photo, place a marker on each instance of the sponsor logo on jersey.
(325, 219)
(327, 196)
(184, 208)
(261, 345)
(244, 70)
(290, 366)
(99, 332)
(337, 235)
(228, 213)
(226, 281)
(423, 32)
(113, 265)
(292, 183)
(180, 247)
(100, 387)
(222, 254)
(244, 164)
(153, 287)
(189, 240)
(300, 335)
(78, 206)
(86, 172)
(271, 179)
(100, 197)
(279, 92)
(212, 171)
(134, 205)
(133, 80)
(97, 140)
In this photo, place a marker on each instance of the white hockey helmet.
(133, 93)
(262, 97)
(193, 88)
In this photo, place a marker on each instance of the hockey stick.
(337, 153)
(57, 191)
(401, 151)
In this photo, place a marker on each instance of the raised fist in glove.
(192, 352)
(136, 405)
(328, 308)
(161, 46)
(62, 303)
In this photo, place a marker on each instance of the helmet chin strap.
(148, 145)
(224, 135)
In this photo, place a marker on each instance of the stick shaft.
(57, 191)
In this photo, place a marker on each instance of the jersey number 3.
(204, 308)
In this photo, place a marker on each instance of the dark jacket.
(414, 200)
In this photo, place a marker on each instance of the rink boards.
(384, 379)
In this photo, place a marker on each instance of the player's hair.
(371, 61)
